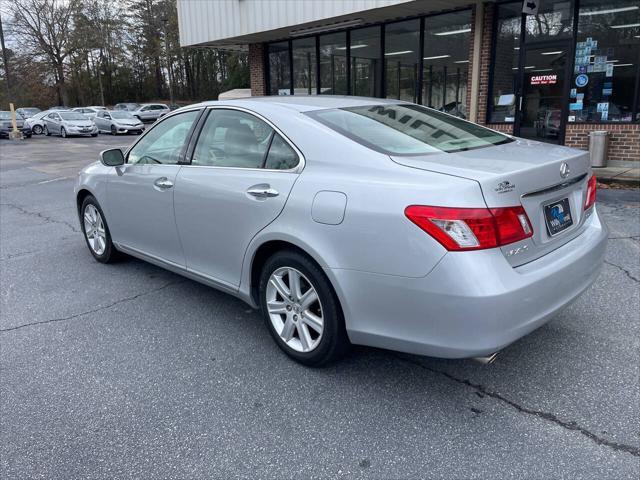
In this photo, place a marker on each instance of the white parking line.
(52, 180)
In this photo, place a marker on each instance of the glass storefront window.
(401, 52)
(366, 70)
(553, 21)
(606, 61)
(446, 62)
(333, 64)
(279, 72)
(505, 63)
(304, 66)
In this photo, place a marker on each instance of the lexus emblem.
(564, 170)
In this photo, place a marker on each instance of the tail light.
(591, 193)
(460, 229)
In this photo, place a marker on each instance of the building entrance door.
(543, 97)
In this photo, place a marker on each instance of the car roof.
(302, 103)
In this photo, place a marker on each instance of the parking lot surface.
(129, 371)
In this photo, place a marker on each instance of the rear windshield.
(406, 129)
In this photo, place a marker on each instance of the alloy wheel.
(94, 229)
(63, 132)
(113, 130)
(295, 309)
(37, 129)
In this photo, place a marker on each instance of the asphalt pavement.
(129, 371)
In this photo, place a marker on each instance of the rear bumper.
(471, 303)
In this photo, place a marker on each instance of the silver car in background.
(66, 123)
(88, 112)
(36, 122)
(27, 112)
(354, 220)
(117, 121)
(150, 112)
(129, 106)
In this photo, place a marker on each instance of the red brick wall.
(485, 62)
(256, 70)
(624, 140)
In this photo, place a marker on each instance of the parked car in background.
(36, 123)
(6, 125)
(126, 106)
(68, 123)
(150, 112)
(173, 106)
(88, 112)
(28, 112)
(97, 107)
(117, 121)
(59, 107)
(362, 220)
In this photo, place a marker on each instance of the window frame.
(159, 122)
(199, 125)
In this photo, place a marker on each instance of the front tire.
(96, 231)
(46, 131)
(114, 130)
(63, 132)
(37, 130)
(301, 309)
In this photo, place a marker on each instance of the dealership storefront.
(554, 76)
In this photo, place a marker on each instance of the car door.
(99, 120)
(140, 196)
(53, 122)
(226, 195)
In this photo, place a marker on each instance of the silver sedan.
(66, 123)
(117, 121)
(353, 220)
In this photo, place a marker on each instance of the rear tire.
(96, 231)
(313, 333)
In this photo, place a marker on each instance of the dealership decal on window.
(544, 79)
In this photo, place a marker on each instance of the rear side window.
(281, 156)
(407, 129)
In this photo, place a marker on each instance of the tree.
(45, 28)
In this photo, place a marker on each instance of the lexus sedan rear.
(353, 220)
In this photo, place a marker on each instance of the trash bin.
(598, 148)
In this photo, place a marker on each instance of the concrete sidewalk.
(626, 175)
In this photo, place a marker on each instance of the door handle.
(163, 183)
(262, 191)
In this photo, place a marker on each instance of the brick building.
(555, 75)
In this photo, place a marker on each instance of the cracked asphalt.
(129, 371)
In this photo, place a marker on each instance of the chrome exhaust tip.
(487, 360)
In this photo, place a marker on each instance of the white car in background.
(36, 123)
(117, 121)
(88, 112)
(150, 112)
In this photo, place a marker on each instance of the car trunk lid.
(525, 173)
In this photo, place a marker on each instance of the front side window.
(163, 144)
(606, 61)
(407, 129)
(230, 138)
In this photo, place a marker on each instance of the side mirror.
(112, 157)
